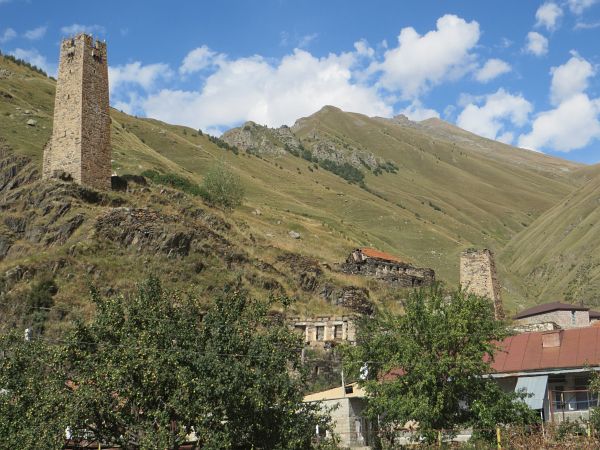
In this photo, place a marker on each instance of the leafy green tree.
(223, 188)
(152, 368)
(429, 365)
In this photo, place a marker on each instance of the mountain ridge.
(404, 190)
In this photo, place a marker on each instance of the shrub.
(223, 188)
(174, 181)
(347, 171)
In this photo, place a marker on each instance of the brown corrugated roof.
(594, 314)
(579, 347)
(549, 307)
(372, 253)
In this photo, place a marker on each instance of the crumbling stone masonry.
(80, 146)
(383, 266)
(478, 276)
(321, 332)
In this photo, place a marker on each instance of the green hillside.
(428, 189)
(558, 256)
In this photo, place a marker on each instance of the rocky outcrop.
(354, 298)
(307, 270)
(254, 138)
(148, 230)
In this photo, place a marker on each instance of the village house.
(348, 403)
(563, 315)
(383, 266)
(554, 366)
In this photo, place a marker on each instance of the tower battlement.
(80, 145)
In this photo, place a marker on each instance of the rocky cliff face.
(317, 147)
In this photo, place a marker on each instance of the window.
(320, 333)
(559, 398)
(338, 332)
(300, 330)
(573, 321)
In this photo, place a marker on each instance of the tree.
(221, 187)
(429, 365)
(152, 368)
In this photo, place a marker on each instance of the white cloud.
(363, 48)
(8, 35)
(491, 69)
(536, 44)
(76, 28)
(36, 33)
(257, 89)
(507, 137)
(547, 16)
(489, 115)
(578, 6)
(422, 61)
(572, 125)
(34, 57)
(135, 73)
(586, 25)
(197, 59)
(570, 79)
(417, 112)
(307, 39)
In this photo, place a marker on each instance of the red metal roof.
(372, 253)
(579, 347)
(549, 307)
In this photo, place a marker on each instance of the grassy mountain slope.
(559, 254)
(452, 190)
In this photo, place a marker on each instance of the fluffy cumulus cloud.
(137, 74)
(571, 125)
(548, 15)
(7, 35)
(34, 57)
(570, 79)
(489, 115)
(416, 111)
(198, 59)
(579, 6)
(36, 33)
(76, 28)
(255, 88)
(422, 61)
(536, 44)
(491, 69)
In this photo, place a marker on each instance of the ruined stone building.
(478, 276)
(321, 332)
(80, 146)
(386, 267)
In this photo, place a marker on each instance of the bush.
(223, 188)
(174, 181)
(347, 171)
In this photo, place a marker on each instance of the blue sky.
(523, 72)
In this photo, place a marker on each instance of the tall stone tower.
(80, 146)
(478, 276)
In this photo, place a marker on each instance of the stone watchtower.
(80, 146)
(478, 276)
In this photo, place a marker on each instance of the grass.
(439, 191)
